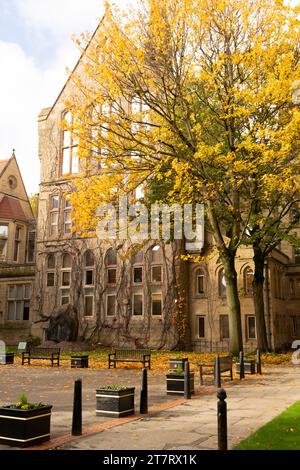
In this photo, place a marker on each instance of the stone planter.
(115, 403)
(175, 384)
(24, 428)
(175, 364)
(79, 362)
(7, 358)
(249, 366)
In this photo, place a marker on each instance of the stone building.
(146, 298)
(17, 254)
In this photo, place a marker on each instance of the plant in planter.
(25, 424)
(7, 358)
(116, 402)
(177, 362)
(175, 382)
(79, 361)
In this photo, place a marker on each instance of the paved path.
(192, 425)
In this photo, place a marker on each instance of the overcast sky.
(35, 49)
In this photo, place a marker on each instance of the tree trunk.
(233, 302)
(258, 297)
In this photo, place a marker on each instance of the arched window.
(200, 282)
(156, 265)
(221, 283)
(138, 268)
(70, 162)
(66, 278)
(51, 267)
(89, 282)
(89, 263)
(111, 265)
(248, 281)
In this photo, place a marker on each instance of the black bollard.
(217, 373)
(242, 366)
(258, 363)
(144, 393)
(187, 388)
(222, 419)
(77, 409)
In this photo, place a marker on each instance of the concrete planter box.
(175, 384)
(24, 428)
(79, 362)
(7, 358)
(115, 403)
(177, 363)
(249, 367)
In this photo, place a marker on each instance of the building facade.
(17, 254)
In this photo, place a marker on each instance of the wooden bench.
(130, 355)
(52, 354)
(225, 366)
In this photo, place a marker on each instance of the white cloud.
(61, 17)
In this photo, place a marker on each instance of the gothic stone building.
(17, 258)
(148, 298)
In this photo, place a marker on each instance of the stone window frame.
(109, 295)
(24, 299)
(71, 145)
(248, 288)
(138, 294)
(111, 266)
(89, 293)
(153, 294)
(200, 273)
(222, 327)
(54, 211)
(88, 268)
(248, 328)
(201, 317)
(17, 243)
(6, 238)
(65, 290)
(50, 270)
(31, 248)
(67, 217)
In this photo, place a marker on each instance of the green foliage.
(23, 404)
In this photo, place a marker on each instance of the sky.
(35, 50)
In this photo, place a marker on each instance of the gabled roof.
(3, 165)
(10, 208)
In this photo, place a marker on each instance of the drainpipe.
(267, 306)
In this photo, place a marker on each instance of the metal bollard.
(77, 409)
(222, 420)
(217, 373)
(258, 362)
(187, 387)
(242, 366)
(144, 393)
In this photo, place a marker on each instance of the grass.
(282, 433)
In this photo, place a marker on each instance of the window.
(31, 246)
(70, 162)
(18, 304)
(140, 111)
(51, 266)
(3, 241)
(111, 265)
(138, 275)
(248, 281)
(67, 217)
(200, 282)
(89, 262)
(224, 327)
(111, 305)
(156, 305)
(222, 283)
(54, 215)
(156, 274)
(138, 305)
(201, 327)
(66, 277)
(251, 327)
(297, 255)
(292, 287)
(89, 303)
(17, 243)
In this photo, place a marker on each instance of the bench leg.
(231, 374)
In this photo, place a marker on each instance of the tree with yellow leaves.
(197, 93)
